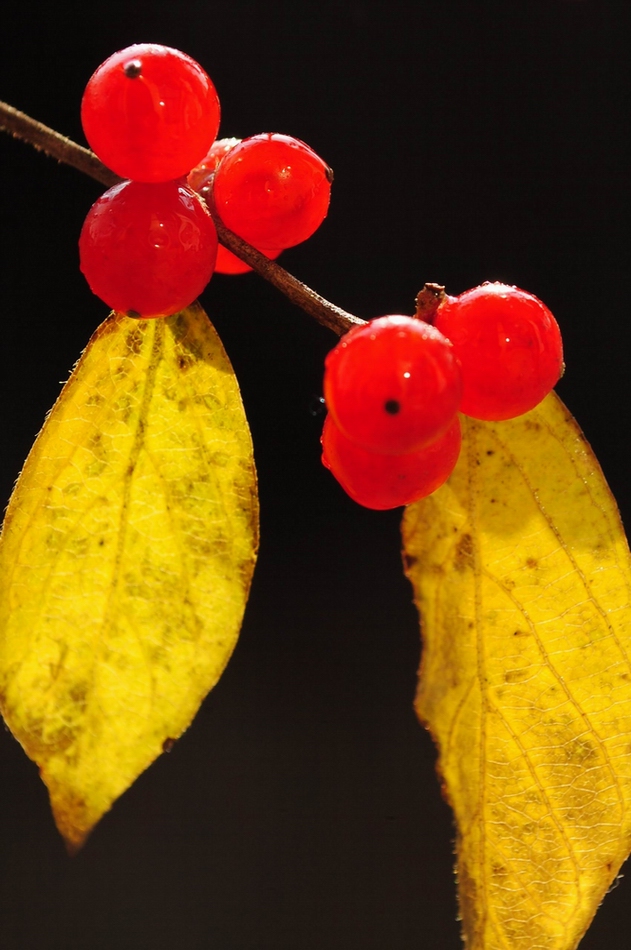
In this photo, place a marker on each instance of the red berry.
(272, 190)
(509, 347)
(201, 181)
(387, 481)
(149, 249)
(201, 177)
(393, 385)
(150, 113)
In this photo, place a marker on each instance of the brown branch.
(323, 310)
(45, 139)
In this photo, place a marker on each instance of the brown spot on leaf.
(409, 560)
(184, 362)
(133, 340)
(468, 900)
(463, 559)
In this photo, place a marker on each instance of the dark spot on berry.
(101, 542)
(328, 172)
(392, 406)
(168, 744)
(133, 314)
(490, 452)
(532, 563)
(132, 68)
(492, 501)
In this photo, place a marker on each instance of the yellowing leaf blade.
(125, 559)
(522, 576)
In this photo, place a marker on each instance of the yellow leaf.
(522, 575)
(125, 559)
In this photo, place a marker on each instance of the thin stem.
(323, 310)
(45, 139)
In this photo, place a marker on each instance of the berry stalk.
(45, 139)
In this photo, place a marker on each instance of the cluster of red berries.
(149, 246)
(394, 387)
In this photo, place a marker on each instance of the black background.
(470, 141)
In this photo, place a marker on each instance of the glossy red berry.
(393, 385)
(272, 190)
(150, 113)
(200, 180)
(388, 481)
(148, 249)
(201, 177)
(509, 347)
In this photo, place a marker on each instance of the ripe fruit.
(149, 249)
(509, 347)
(200, 180)
(150, 113)
(272, 190)
(387, 481)
(201, 177)
(393, 385)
